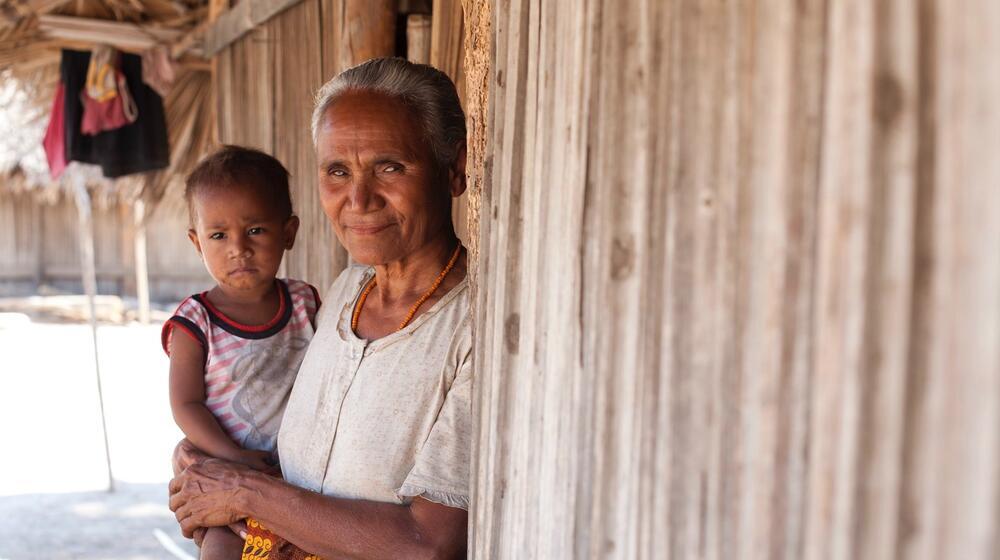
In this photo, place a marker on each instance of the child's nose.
(240, 247)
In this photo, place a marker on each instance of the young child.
(235, 349)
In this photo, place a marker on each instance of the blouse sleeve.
(441, 471)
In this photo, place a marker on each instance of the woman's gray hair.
(427, 91)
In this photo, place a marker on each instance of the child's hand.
(262, 461)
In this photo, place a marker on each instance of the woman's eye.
(255, 231)
(217, 235)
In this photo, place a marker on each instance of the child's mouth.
(242, 270)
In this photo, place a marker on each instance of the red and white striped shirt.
(249, 369)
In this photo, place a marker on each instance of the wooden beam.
(45, 6)
(123, 36)
(191, 41)
(240, 20)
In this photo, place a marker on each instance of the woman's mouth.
(367, 229)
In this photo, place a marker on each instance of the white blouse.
(383, 420)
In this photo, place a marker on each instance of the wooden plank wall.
(738, 281)
(39, 245)
(265, 87)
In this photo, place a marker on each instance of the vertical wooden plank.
(447, 47)
(418, 38)
(447, 53)
(39, 239)
(951, 501)
(756, 289)
(298, 57)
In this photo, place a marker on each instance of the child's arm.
(187, 401)
(221, 544)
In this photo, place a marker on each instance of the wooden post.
(367, 29)
(141, 266)
(418, 38)
(39, 224)
(89, 269)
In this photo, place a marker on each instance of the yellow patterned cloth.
(262, 544)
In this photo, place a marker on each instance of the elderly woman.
(375, 440)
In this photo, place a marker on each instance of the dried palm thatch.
(29, 72)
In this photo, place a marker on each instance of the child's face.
(240, 237)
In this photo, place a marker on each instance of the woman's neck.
(410, 277)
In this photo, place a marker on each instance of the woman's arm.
(217, 493)
(187, 402)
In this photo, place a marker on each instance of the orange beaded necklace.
(423, 298)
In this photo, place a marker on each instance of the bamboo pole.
(89, 267)
(141, 265)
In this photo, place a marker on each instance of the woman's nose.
(360, 194)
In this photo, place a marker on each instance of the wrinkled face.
(377, 181)
(240, 237)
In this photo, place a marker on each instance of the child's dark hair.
(247, 168)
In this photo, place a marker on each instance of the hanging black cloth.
(133, 148)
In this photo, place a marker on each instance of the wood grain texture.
(737, 280)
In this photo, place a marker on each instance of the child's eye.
(255, 231)
(217, 235)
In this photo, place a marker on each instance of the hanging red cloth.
(107, 103)
(55, 135)
(115, 112)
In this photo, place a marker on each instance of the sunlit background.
(54, 496)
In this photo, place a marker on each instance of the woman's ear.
(291, 230)
(193, 236)
(456, 173)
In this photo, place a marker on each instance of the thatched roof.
(29, 68)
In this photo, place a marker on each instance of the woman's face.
(377, 181)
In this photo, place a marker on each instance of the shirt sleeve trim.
(449, 499)
(186, 325)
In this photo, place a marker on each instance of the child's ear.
(193, 236)
(291, 229)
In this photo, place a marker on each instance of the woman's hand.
(185, 455)
(207, 494)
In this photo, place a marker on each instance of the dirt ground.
(53, 476)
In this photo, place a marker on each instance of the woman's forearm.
(334, 527)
